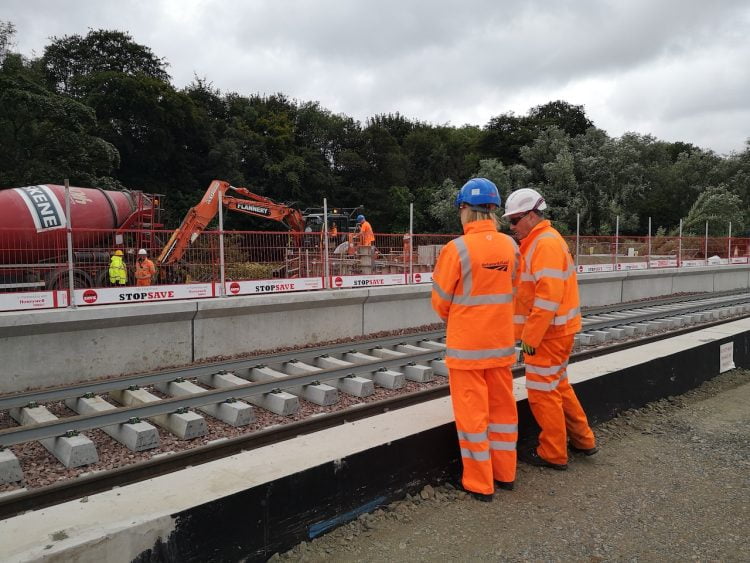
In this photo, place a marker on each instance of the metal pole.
(705, 247)
(648, 259)
(411, 243)
(578, 237)
(679, 247)
(729, 248)
(222, 292)
(69, 242)
(617, 238)
(326, 262)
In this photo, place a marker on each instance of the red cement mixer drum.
(33, 222)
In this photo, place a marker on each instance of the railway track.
(336, 383)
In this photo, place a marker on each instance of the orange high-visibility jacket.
(472, 290)
(368, 237)
(144, 269)
(547, 303)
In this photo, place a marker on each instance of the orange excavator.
(244, 201)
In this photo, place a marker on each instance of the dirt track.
(672, 483)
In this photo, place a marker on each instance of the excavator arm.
(198, 217)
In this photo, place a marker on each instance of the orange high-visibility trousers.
(553, 401)
(487, 425)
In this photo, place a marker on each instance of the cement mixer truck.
(34, 229)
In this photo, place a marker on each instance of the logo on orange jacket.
(501, 266)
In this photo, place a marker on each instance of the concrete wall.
(57, 347)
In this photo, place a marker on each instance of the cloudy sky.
(677, 69)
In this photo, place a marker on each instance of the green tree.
(719, 207)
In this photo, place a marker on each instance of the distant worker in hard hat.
(118, 273)
(144, 268)
(547, 316)
(366, 236)
(472, 291)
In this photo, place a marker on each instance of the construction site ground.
(671, 483)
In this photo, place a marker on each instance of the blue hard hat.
(360, 218)
(478, 191)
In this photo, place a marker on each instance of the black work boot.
(481, 497)
(505, 485)
(584, 451)
(533, 458)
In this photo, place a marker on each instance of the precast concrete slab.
(239, 325)
(692, 281)
(601, 288)
(72, 451)
(587, 339)
(10, 467)
(279, 495)
(616, 333)
(386, 353)
(728, 278)
(646, 283)
(600, 336)
(356, 386)
(383, 309)
(186, 426)
(432, 345)
(136, 436)
(628, 330)
(388, 379)
(115, 339)
(439, 367)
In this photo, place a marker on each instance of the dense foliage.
(101, 111)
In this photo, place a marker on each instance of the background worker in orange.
(547, 316)
(366, 236)
(144, 268)
(472, 291)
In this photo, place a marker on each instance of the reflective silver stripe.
(476, 456)
(564, 375)
(463, 256)
(553, 273)
(519, 319)
(527, 277)
(439, 290)
(530, 252)
(506, 428)
(570, 315)
(546, 304)
(479, 354)
(539, 386)
(475, 437)
(489, 299)
(539, 370)
(504, 446)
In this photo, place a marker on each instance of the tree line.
(101, 110)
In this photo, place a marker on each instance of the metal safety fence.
(71, 267)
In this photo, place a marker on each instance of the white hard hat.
(523, 200)
(142, 251)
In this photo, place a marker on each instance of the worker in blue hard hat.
(366, 236)
(472, 291)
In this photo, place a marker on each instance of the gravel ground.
(671, 483)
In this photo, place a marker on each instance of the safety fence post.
(617, 239)
(729, 244)
(705, 245)
(648, 260)
(326, 262)
(69, 242)
(578, 237)
(222, 273)
(411, 243)
(679, 247)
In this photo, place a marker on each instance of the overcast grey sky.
(677, 69)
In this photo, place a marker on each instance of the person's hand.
(528, 350)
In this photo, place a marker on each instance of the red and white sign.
(739, 260)
(692, 263)
(250, 287)
(632, 266)
(668, 263)
(591, 268)
(33, 300)
(368, 281)
(421, 277)
(109, 295)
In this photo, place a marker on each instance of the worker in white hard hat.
(144, 268)
(547, 316)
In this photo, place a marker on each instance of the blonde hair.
(469, 215)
